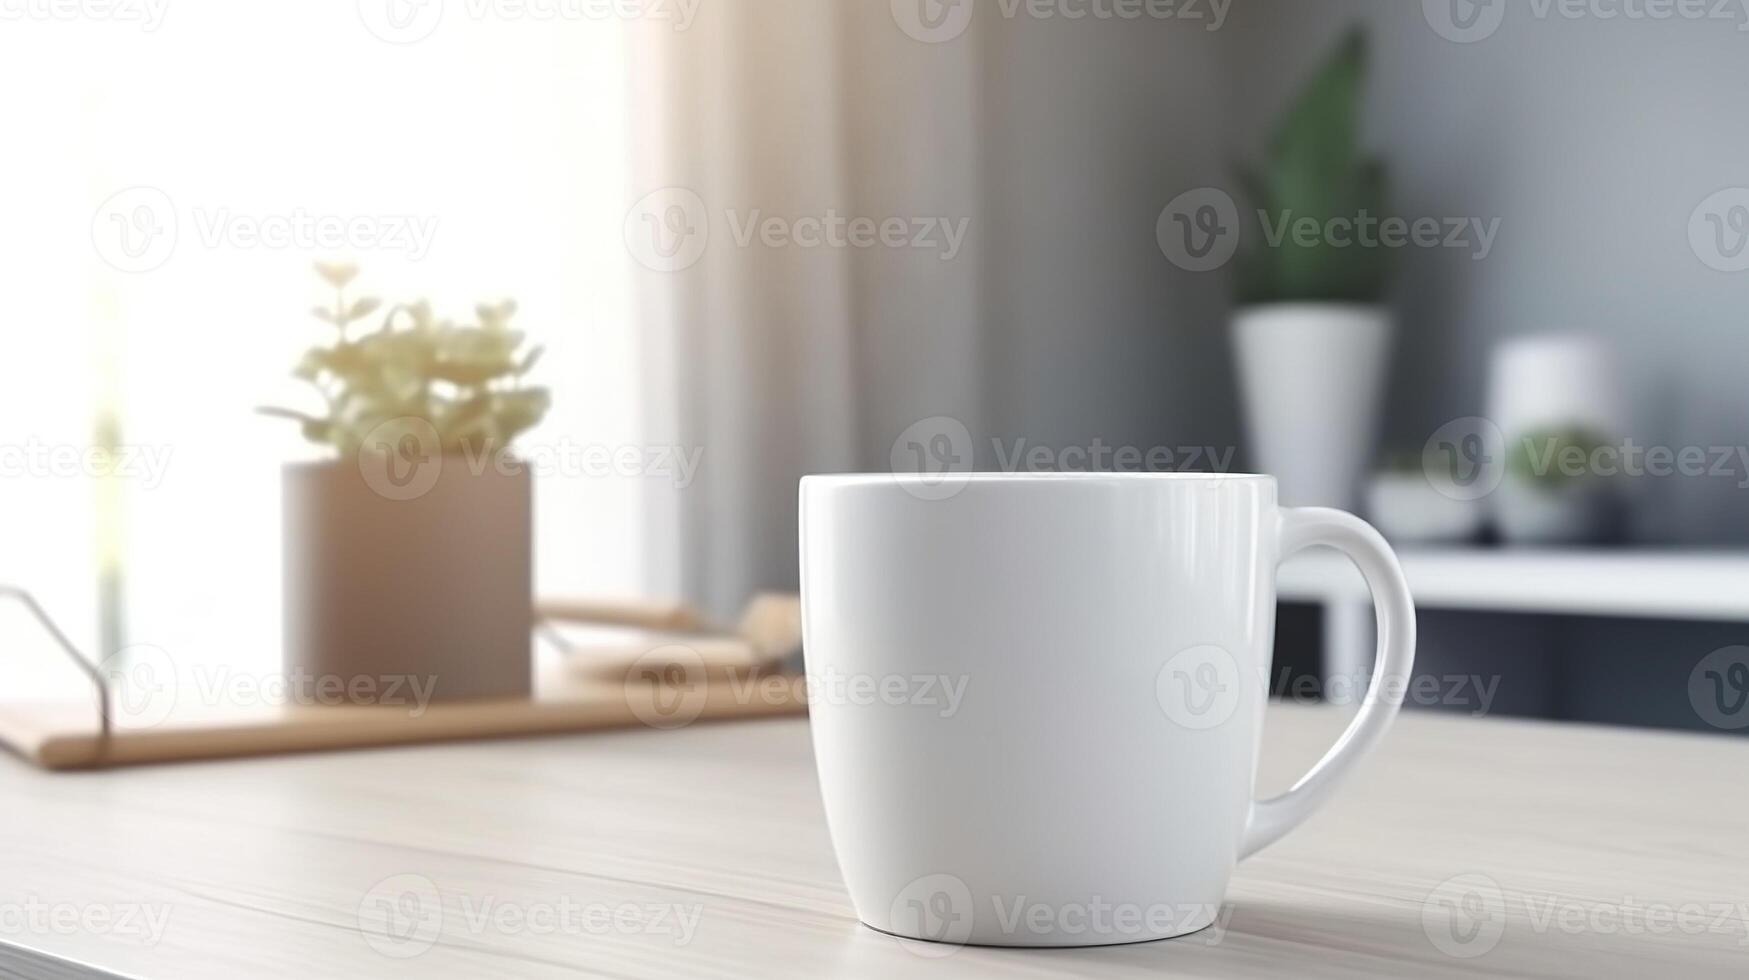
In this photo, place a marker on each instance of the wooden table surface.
(1465, 847)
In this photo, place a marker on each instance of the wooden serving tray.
(68, 735)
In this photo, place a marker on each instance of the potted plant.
(1311, 334)
(1408, 509)
(1551, 493)
(408, 561)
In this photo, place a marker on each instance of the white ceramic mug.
(1037, 699)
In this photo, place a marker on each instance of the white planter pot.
(1528, 514)
(425, 578)
(1408, 510)
(1311, 377)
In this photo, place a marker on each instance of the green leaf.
(362, 308)
(1316, 170)
(420, 367)
(337, 274)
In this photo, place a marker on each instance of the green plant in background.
(1400, 462)
(466, 381)
(1552, 459)
(1316, 169)
(1403, 462)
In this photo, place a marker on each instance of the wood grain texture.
(262, 866)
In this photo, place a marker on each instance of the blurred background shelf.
(1688, 585)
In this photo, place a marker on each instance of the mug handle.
(1299, 529)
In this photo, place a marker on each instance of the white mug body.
(1037, 700)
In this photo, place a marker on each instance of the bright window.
(482, 161)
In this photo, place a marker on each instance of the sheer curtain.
(169, 186)
(790, 358)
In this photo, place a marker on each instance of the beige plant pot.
(417, 579)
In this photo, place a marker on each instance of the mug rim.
(937, 479)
